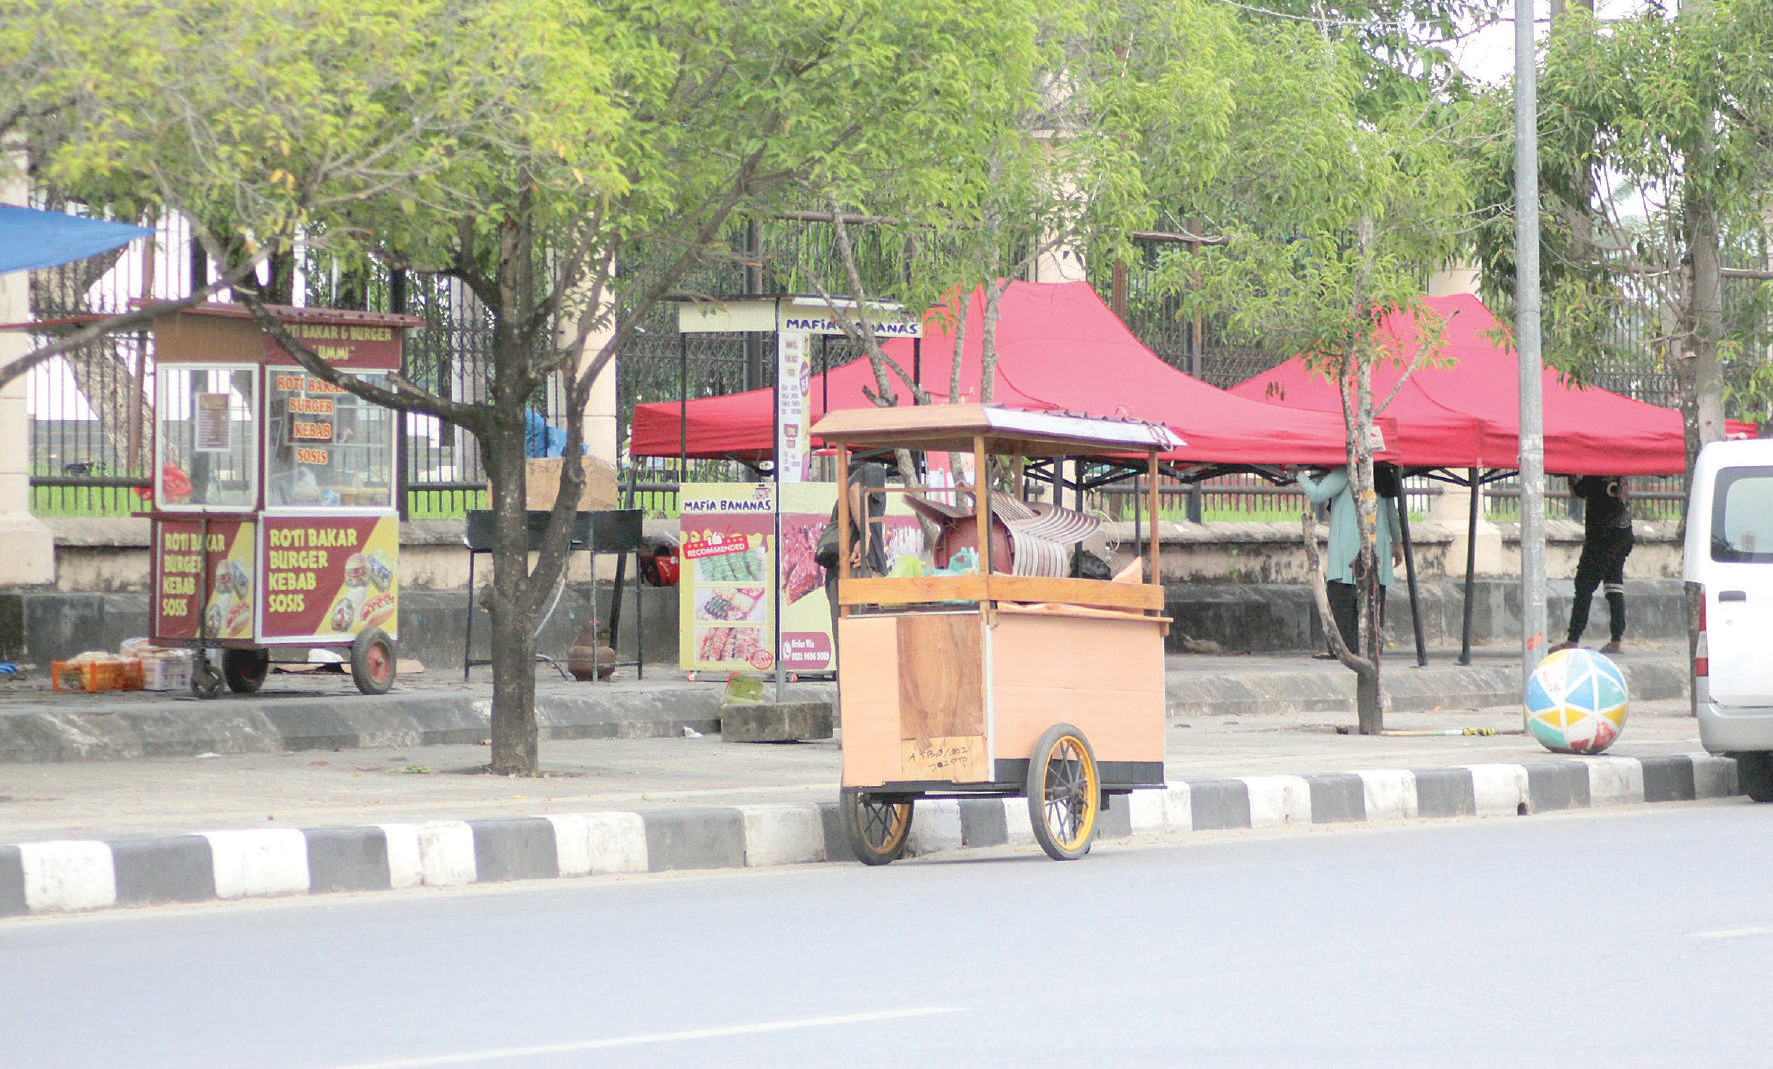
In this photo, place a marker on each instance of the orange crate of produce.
(89, 675)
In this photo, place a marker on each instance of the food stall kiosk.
(274, 521)
(997, 674)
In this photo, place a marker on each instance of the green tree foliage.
(1403, 48)
(527, 148)
(1655, 172)
(67, 67)
(1328, 208)
(1022, 179)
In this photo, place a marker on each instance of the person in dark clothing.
(1607, 540)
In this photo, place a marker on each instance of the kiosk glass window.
(208, 437)
(329, 448)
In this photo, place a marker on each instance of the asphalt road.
(1619, 938)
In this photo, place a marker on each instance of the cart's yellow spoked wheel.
(1064, 792)
(875, 826)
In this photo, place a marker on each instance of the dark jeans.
(1601, 562)
(1345, 609)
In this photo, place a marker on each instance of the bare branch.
(127, 321)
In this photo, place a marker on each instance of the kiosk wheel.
(1064, 793)
(206, 682)
(875, 827)
(245, 670)
(372, 661)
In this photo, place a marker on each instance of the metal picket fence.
(91, 417)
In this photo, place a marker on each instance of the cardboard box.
(166, 670)
(542, 483)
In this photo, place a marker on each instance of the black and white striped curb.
(60, 876)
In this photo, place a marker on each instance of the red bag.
(178, 488)
(660, 569)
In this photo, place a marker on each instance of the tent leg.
(1077, 501)
(1403, 520)
(682, 410)
(1471, 522)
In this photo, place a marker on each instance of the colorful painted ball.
(1576, 702)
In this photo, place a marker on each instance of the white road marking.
(656, 1037)
(1735, 933)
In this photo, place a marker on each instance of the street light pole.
(1527, 342)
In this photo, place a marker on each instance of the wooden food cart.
(997, 684)
(274, 523)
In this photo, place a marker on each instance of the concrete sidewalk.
(309, 787)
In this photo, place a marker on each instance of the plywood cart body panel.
(958, 699)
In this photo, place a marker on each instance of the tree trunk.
(988, 339)
(510, 604)
(514, 741)
(1368, 707)
(1707, 317)
(1698, 378)
(1367, 698)
(955, 395)
(1358, 387)
(104, 376)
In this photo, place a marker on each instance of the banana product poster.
(732, 569)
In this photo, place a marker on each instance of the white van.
(1728, 568)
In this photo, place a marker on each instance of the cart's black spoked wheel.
(372, 661)
(1064, 792)
(206, 682)
(245, 670)
(876, 827)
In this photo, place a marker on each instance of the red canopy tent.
(1059, 349)
(1467, 415)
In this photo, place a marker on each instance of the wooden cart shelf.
(998, 587)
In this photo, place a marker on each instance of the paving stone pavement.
(118, 799)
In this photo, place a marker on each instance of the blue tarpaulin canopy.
(31, 239)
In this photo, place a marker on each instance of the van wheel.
(1754, 774)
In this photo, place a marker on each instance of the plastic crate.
(94, 675)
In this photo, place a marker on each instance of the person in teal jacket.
(1333, 486)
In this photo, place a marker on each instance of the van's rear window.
(1742, 516)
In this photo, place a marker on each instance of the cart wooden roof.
(1004, 430)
